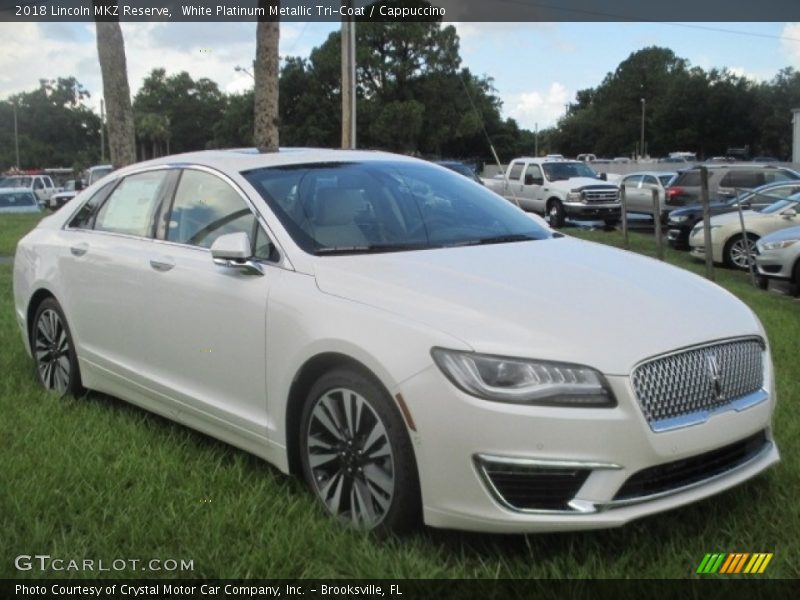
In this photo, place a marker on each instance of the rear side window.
(85, 215)
(132, 204)
(205, 208)
(772, 175)
(516, 171)
(743, 179)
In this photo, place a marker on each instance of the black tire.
(54, 350)
(555, 211)
(733, 255)
(611, 223)
(796, 278)
(372, 485)
(762, 282)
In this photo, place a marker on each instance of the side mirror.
(234, 251)
(531, 180)
(603, 176)
(745, 205)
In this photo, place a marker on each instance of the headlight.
(574, 196)
(778, 245)
(678, 218)
(524, 381)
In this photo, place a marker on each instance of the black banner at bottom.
(398, 589)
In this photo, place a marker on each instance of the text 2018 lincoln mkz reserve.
(418, 348)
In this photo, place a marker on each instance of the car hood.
(792, 233)
(577, 183)
(733, 217)
(557, 299)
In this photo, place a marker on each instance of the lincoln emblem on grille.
(714, 374)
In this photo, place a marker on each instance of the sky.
(537, 67)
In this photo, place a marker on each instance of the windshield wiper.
(369, 249)
(498, 239)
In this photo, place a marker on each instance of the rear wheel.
(356, 454)
(555, 211)
(54, 351)
(762, 282)
(735, 254)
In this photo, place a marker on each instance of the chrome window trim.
(283, 262)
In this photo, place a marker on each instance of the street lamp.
(16, 133)
(239, 69)
(641, 142)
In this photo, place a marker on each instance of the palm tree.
(266, 81)
(117, 94)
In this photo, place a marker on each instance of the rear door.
(109, 242)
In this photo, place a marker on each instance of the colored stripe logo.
(734, 562)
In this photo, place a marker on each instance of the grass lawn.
(96, 478)
(13, 227)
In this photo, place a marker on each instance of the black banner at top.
(401, 10)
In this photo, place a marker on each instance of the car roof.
(244, 159)
(15, 190)
(653, 173)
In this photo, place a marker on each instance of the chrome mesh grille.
(700, 379)
(600, 194)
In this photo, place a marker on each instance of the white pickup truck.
(559, 189)
(41, 185)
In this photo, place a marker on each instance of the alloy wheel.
(52, 349)
(350, 457)
(738, 252)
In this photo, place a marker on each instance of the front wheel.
(357, 455)
(555, 210)
(736, 251)
(54, 351)
(611, 223)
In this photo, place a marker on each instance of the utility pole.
(348, 38)
(16, 133)
(536, 139)
(641, 143)
(103, 132)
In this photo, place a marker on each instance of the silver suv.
(724, 180)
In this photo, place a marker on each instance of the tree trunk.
(266, 82)
(111, 52)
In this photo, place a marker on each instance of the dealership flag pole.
(706, 223)
(348, 40)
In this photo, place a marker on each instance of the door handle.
(161, 265)
(79, 249)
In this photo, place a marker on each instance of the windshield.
(17, 199)
(780, 205)
(98, 173)
(382, 206)
(557, 171)
(16, 182)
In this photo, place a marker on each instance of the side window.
(632, 181)
(649, 181)
(37, 184)
(83, 218)
(515, 172)
(205, 208)
(131, 206)
(776, 175)
(263, 248)
(534, 171)
(48, 182)
(743, 179)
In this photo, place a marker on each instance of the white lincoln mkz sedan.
(411, 343)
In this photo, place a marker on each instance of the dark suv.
(681, 221)
(724, 180)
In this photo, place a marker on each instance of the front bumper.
(454, 431)
(581, 210)
(776, 264)
(677, 236)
